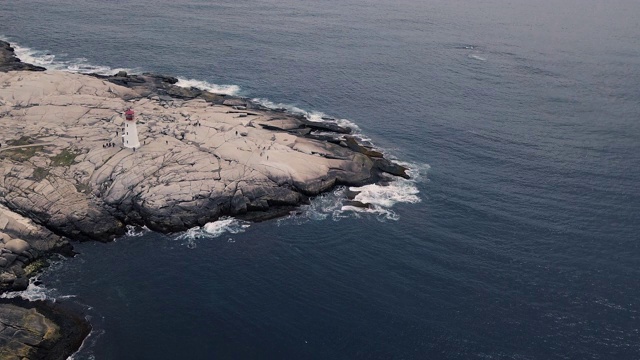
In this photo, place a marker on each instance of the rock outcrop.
(65, 174)
(9, 61)
(21, 242)
(64, 165)
(39, 330)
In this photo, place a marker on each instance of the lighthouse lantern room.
(130, 135)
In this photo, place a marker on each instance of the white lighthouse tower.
(130, 136)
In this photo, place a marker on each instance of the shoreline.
(41, 329)
(68, 176)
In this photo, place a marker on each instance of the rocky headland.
(65, 174)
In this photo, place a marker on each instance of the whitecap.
(212, 230)
(227, 224)
(477, 57)
(207, 86)
(385, 196)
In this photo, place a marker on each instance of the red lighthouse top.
(128, 115)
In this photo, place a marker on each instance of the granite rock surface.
(66, 174)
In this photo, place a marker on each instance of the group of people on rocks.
(108, 145)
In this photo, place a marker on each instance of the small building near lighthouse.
(130, 135)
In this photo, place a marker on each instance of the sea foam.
(381, 198)
(57, 62)
(315, 116)
(136, 231)
(212, 230)
(33, 292)
(214, 88)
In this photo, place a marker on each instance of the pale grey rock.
(234, 102)
(198, 160)
(17, 246)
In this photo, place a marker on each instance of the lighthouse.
(130, 136)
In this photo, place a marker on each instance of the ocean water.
(517, 238)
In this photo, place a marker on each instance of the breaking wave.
(212, 230)
(214, 88)
(388, 195)
(34, 292)
(316, 116)
(58, 62)
(477, 57)
(378, 200)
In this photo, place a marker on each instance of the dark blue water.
(524, 244)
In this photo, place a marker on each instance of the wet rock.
(10, 62)
(9, 257)
(36, 330)
(7, 277)
(351, 194)
(353, 145)
(162, 78)
(21, 283)
(234, 102)
(392, 168)
(326, 126)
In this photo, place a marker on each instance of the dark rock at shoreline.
(270, 213)
(327, 138)
(40, 330)
(325, 126)
(9, 61)
(392, 168)
(351, 194)
(148, 85)
(352, 143)
(23, 242)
